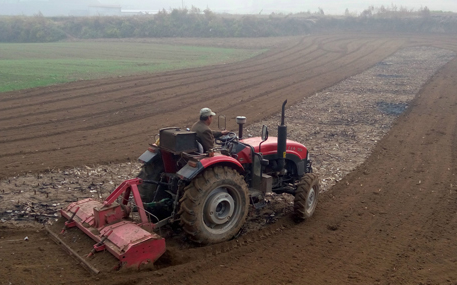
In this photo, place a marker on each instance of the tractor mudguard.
(149, 155)
(189, 172)
(192, 169)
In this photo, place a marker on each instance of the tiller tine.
(70, 222)
(132, 243)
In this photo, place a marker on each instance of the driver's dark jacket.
(205, 135)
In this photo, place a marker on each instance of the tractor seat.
(200, 148)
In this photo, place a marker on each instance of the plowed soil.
(390, 221)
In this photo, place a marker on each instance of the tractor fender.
(189, 172)
(150, 155)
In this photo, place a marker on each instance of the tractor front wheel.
(306, 196)
(215, 205)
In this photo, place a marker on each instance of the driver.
(205, 135)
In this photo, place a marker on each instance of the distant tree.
(193, 22)
(209, 14)
(424, 12)
(382, 11)
(195, 10)
(367, 13)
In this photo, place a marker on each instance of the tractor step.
(255, 193)
(257, 198)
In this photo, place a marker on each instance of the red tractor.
(208, 193)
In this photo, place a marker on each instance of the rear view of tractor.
(208, 194)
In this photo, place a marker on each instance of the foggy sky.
(268, 6)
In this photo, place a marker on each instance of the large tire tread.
(195, 192)
(148, 172)
(310, 180)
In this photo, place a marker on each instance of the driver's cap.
(206, 112)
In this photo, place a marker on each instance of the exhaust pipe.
(282, 137)
(240, 120)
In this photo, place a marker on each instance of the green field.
(30, 65)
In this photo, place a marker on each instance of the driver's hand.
(224, 132)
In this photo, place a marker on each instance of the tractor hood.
(269, 147)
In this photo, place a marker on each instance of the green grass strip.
(25, 66)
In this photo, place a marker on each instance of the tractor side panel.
(245, 156)
(296, 149)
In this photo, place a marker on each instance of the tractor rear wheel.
(215, 205)
(149, 171)
(306, 196)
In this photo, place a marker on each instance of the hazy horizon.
(292, 6)
(92, 7)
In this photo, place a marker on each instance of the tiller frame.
(133, 244)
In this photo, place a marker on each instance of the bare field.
(92, 122)
(390, 221)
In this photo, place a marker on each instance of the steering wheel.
(222, 140)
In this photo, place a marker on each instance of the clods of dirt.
(340, 125)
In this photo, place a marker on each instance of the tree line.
(174, 23)
(196, 23)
